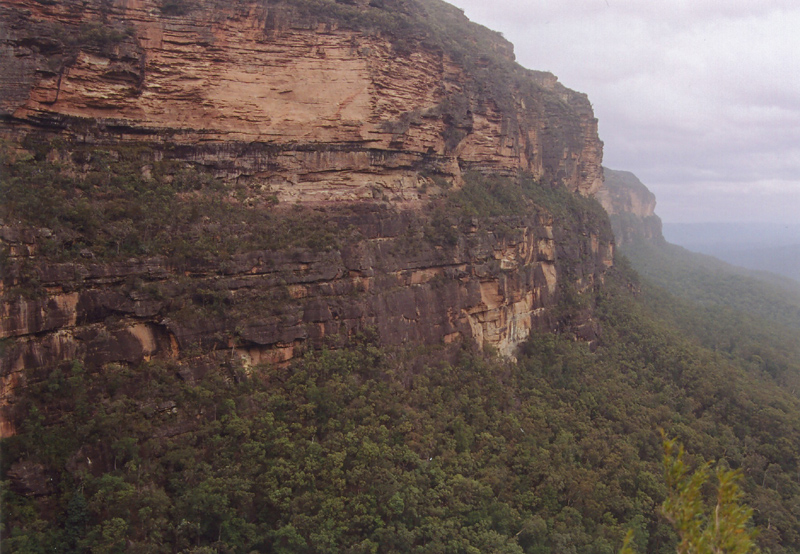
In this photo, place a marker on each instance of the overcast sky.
(699, 98)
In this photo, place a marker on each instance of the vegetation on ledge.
(118, 202)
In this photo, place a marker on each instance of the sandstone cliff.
(309, 101)
(630, 206)
(234, 182)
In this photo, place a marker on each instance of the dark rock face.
(30, 479)
(492, 286)
(405, 287)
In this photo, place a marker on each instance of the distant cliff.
(211, 181)
(630, 206)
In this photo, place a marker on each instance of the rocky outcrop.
(368, 113)
(338, 104)
(630, 206)
(494, 284)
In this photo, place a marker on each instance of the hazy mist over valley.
(700, 103)
(759, 246)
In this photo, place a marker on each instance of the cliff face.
(492, 284)
(309, 102)
(234, 182)
(630, 206)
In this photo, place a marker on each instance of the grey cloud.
(691, 95)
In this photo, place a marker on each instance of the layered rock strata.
(493, 286)
(380, 108)
(308, 106)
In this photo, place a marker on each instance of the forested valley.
(428, 449)
(337, 276)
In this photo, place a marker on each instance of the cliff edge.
(301, 100)
(218, 183)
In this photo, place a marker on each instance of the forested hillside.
(331, 276)
(369, 449)
(747, 315)
(772, 247)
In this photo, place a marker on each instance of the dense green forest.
(749, 316)
(375, 449)
(369, 449)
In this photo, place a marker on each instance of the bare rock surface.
(630, 206)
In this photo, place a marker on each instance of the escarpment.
(233, 182)
(630, 206)
(310, 101)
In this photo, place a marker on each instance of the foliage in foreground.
(726, 528)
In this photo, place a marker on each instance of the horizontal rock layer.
(310, 107)
(493, 286)
(341, 105)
